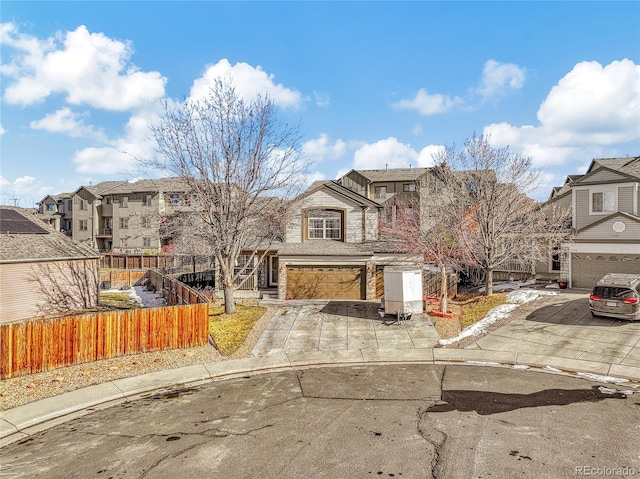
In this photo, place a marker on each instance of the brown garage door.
(588, 268)
(315, 282)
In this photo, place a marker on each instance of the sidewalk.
(312, 334)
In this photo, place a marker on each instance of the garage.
(322, 282)
(588, 268)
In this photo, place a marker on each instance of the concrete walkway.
(559, 337)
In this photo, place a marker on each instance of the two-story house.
(332, 248)
(605, 205)
(119, 216)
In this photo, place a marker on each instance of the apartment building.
(119, 216)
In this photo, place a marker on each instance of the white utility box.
(402, 291)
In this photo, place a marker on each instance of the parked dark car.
(617, 295)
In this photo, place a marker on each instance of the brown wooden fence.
(174, 291)
(34, 346)
(134, 261)
(432, 285)
(118, 279)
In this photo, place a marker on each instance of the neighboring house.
(39, 264)
(332, 248)
(606, 218)
(119, 216)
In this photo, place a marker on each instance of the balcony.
(104, 233)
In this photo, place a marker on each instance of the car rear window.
(613, 292)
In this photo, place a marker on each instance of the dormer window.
(603, 202)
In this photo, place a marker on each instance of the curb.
(20, 422)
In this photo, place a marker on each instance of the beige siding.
(21, 295)
(625, 199)
(605, 176)
(355, 182)
(564, 202)
(324, 199)
(604, 231)
(582, 218)
(371, 224)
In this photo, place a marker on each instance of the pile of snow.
(514, 299)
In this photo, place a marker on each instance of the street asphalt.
(401, 420)
(555, 381)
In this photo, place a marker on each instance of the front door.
(273, 270)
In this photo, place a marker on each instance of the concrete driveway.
(558, 326)
(562, 327)
(342, 325)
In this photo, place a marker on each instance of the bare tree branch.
(242, 164)
(67, 285)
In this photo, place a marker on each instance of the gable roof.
(48, 244)
(629, 166)
(336, 187)
(623, 214)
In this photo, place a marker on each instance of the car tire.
(593, 315)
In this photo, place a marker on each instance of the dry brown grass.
(469, 308)
(229, 331)
(118, 301)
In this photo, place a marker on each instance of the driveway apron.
(342, 325)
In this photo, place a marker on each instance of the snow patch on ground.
(146, 299)
(603, 379)
(514, 299)
(497, 287)
(626, 393)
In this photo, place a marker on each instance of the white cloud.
(248, 81)
(69, 123)
(89, 68)
(392, 154)
(427, 104)
(322, 99)
(320, 149)
(122, 154)
(23, 191)
(2, 130)
(589, 113)
(417, 130)
(498, 78)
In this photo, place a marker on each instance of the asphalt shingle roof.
(394, 174)
(51, 245)
(629, 165)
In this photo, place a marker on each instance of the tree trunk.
(229, 301)
(488, 282)
(443, 288)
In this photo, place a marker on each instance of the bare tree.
(502, 224)
(241, 164)
(187, 236)
(430, 230)
(67, 285)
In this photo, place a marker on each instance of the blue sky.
(370, 83)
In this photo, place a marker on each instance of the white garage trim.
(604, 248)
